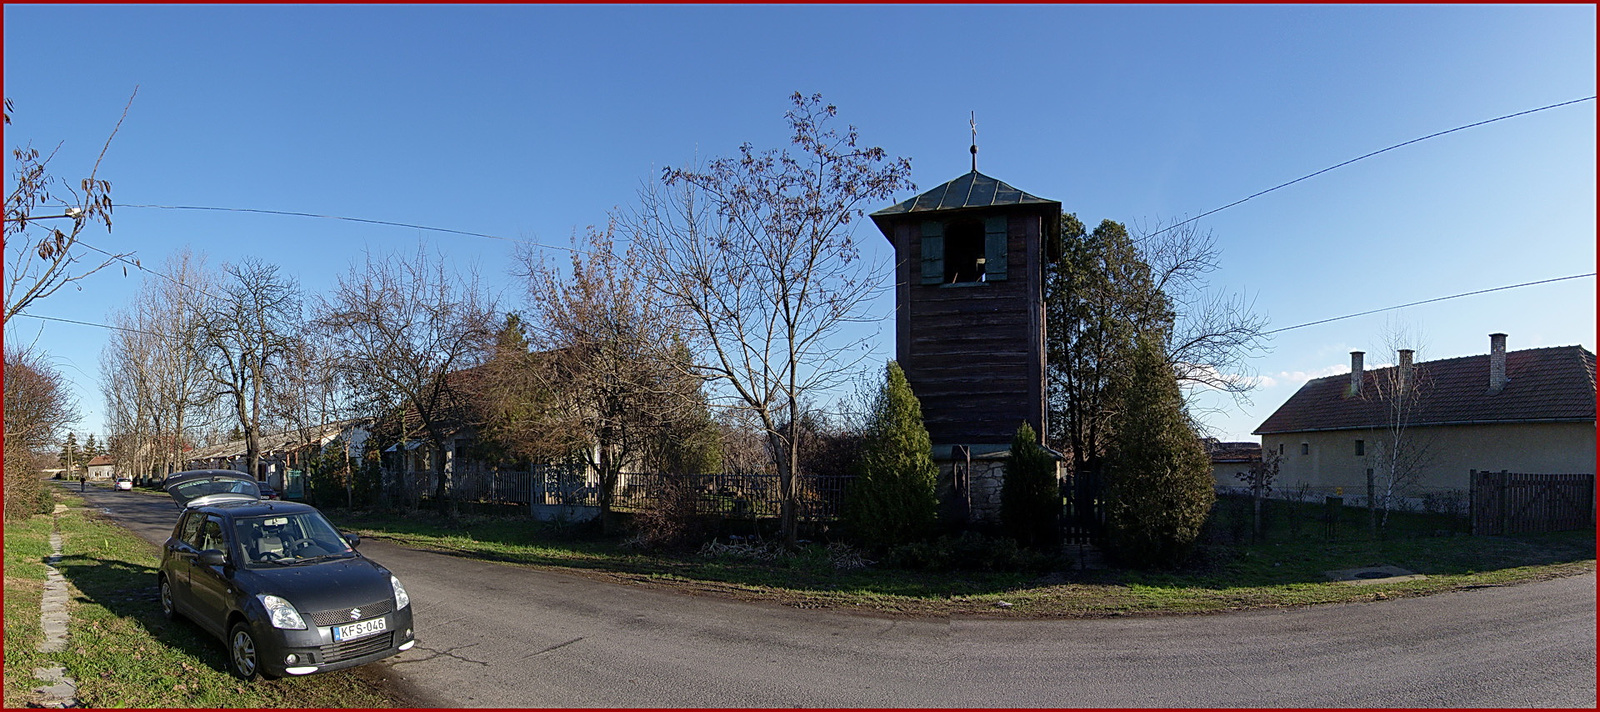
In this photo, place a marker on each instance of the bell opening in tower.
(963, 251)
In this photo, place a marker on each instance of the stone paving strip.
(61, 690)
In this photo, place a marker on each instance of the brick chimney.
(1497, 363)
(1355, 372)
(1405, 368)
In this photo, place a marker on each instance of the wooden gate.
(1083, 511)
(1519, 503)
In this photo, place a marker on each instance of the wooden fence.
(1520, 503)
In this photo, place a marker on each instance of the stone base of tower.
(970, 480)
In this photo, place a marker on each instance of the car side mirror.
(214, 557)
(353, 538)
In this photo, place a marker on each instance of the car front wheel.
(243, 659)
(167, 610)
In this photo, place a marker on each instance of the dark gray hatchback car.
(283, 589)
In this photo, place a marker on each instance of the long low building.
(1434, 422)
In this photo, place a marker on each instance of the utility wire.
(1158, 232)
(350, 219)
(1369, 155)
(1430, 301)
(90, 323)
(123, 258)
(584, 252)
(1274, 331)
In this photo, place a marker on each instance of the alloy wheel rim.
(166, 598)
(244, 653)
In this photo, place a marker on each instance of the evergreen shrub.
(1159, 487)
(1030, 497)
(892, 500)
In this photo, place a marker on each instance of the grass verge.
(121, 651)
(27, 544)
(1287, 569)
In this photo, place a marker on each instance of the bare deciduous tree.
(41, 260)
(244, 339)
(154, 380)
(1260, 479)
(1400, 456)
(310, 396)
(1213, 334)
(398, 328)
(610, 364)
(758, 252)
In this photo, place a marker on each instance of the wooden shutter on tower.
(994, 249)
(932, 252)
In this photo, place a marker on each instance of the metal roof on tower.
(971, 191)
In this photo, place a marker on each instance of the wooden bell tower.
(969, 309)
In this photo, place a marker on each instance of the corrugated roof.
(1224, 452)
(973, 190)
(1548, 384)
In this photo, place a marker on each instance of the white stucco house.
(1530, 411)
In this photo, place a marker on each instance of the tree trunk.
(1372, 505)
(439, 488)
(1255, 494)
(608, 484)
(786, 477)
(349, 481)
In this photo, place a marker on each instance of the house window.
(1361, 447)
(1280, 448)
(1305, 448)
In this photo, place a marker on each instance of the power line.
(123, 258)
(90, 323)
(350, 219)
(1430, 301)
(1274, 331)
(1369, 155)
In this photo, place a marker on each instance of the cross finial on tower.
(974, 123)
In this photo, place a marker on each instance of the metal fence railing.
(820, 497)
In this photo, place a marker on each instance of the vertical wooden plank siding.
(1030, 235)
(973, 352)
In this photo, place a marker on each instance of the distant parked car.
(283, 589)
(267, 491)
(124, 483)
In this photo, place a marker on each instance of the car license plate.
(360, 629)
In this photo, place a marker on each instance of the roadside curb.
(62, 690)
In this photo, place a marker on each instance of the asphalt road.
(496, 635)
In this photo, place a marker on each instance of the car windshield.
(286, 539)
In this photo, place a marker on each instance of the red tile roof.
(1543, 385)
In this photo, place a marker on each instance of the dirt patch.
(1373, 575)
(403, 694)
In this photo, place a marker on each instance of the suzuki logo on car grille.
(355, 613)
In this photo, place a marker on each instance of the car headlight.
(401, 600)
(281, 612)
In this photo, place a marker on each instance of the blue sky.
(530, 122)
